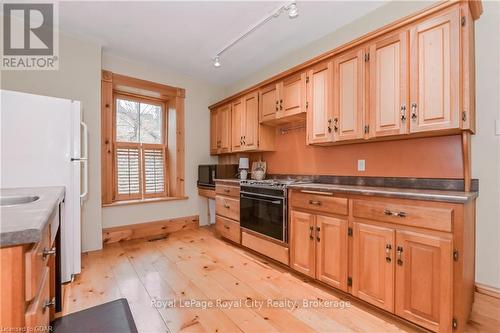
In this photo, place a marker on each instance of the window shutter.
(154, 170)
(128, 172)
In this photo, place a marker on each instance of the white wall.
(485, 145)
(199, 96)
(78, 78)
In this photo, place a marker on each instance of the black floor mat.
(109, 317)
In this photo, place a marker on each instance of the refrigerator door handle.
(85, 162)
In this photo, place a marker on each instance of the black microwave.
(208, 172)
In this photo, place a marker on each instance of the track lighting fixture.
(290, 8)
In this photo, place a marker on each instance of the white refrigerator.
(44, 143)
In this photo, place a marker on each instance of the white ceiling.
(184, 36)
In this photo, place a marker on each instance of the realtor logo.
(30, 40)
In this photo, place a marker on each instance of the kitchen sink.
(17, 200)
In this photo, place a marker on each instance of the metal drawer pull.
(315, 202)
(227, 227)
(49, 303)
(47, 252)
(311, 228)
(316, 192)
(226, 205)
(226, 190)
(399, 252)
(391, 213)
(388, 249)
(318, 230)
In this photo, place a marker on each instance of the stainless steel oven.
(263, 210)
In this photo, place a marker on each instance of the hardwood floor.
(195, 265)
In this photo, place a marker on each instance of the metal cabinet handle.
(315, 202)
(47, 252)
(48, 303)
(318, 230)
(397, 214)
(311, 229)
(226, 205)
(226, 227)
(388, 249)
(399, 252)
(403, 113)
(413, 111)
(329, 126)
(335, 124)
(226, 190)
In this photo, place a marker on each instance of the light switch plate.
(361, 165)
(497, 127)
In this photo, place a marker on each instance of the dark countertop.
(416, 194)
(23, 224)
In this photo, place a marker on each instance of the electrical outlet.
(361, 165)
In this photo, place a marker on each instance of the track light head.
(217, 62)
(292, 10)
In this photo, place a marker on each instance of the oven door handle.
(276, 202)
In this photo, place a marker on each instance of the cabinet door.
(292, 95)
(434, 75)
(348, 88)
(238, 123)
(251, 121)
(319, 104)
(331, 251)
(424, 280)
(214, 144)
(224, 128)
(389, 85)
(373, 265)
(269, 103)
(302, 242)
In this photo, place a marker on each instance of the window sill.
(143, 201)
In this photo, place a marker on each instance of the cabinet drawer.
(37, 313)
(267, 248)
(437, 218)
(228, 229)
(232, 191)
(319, 202)
(227, 207)
(35, 264)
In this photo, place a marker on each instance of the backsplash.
(436, 157)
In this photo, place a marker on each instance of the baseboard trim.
(149, 229)
(487, 290)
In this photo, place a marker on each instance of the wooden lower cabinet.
(373, 265)
(412, 258)
(331, 251)
(424, 279)
(302, 242)
(227, 212)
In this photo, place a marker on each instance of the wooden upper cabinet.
(331, 251)
(424, 278)
(302, 242)
(388, 102)
(223, 128)
(348, 88)
(434, 75)
(292, 96)
(214, 143)
(269, 102)
(237, 125)
(373, 265)
(319, 103)
(251, 121)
